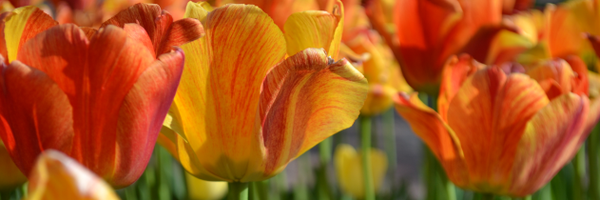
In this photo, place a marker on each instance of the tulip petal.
(455, 72)
(421, 47)
(497, 44)
(315, 29)
(299, 98)
(142, 114)
(217, 99)
(518, 101)
(551, 75)
(502, 106)
(23, 24)
(3, 50)
(198, 10)
(96, 81)
(438, 136)
(38, 112)
(551, 139)
(56, 176)
(159, 25)
(201, 189)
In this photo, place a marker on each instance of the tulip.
(382, 72)
(56, 176)
(11, 176)
(349, 169)
(244, 109)
(499, 131)
(100, 98)
(429, 32)
(199, 189)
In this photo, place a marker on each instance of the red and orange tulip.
(56, 176)
(502, 132)
(428, 32)
(244, 109)
(99, 96)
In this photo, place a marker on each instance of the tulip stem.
(593, 163)
(238, 191)
(579, 165)
(365, 132)
(390, 138)
(323, 188)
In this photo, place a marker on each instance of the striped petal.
(299, 100)
(438, 136)
(315, 29)
(217, 100)
(502, 106)
(456, 71)
(551, 139)
(23, 24)
(56, 176)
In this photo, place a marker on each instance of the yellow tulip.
(244, 109)
(57, 176)
(199, 189)
(349, 169)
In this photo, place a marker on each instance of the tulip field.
(300, 99)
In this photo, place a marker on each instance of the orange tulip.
(56, 176)
(499, 131)
(428, 32)
(99, 96)
(244, 109)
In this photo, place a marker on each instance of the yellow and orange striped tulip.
(244, 108)
(499, 131)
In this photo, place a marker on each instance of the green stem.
(390, 144)
(527, 197)
(365, 132)
(592, 146)
(579, 165)
(390, 138)
(323, 188)
(238, 191)
(487, 196)
(545, 193)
